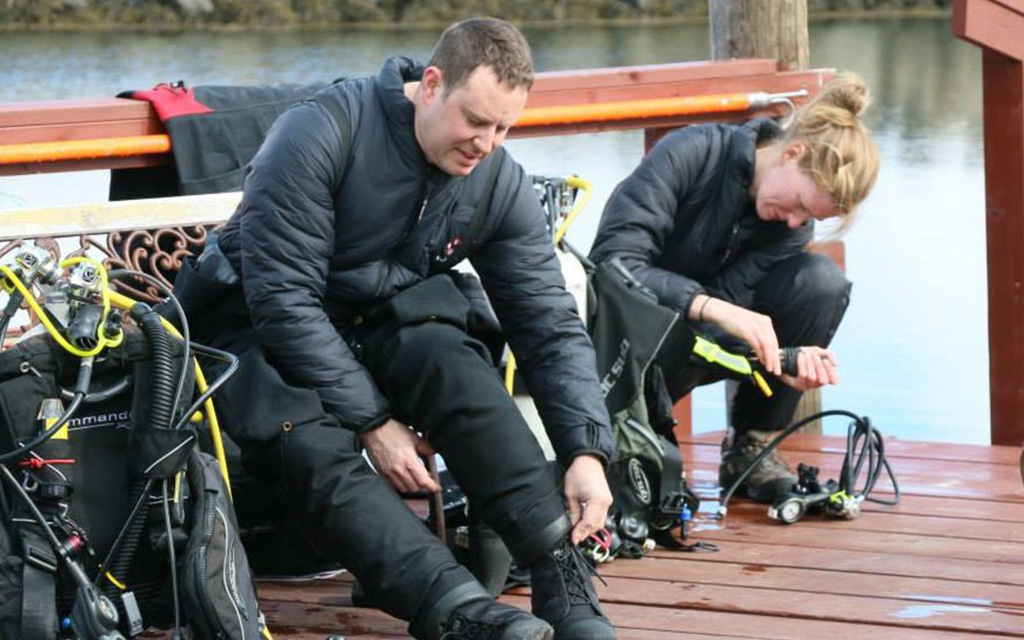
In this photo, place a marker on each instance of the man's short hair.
(489, 42)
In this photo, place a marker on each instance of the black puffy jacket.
(684, 223)
(323, 232)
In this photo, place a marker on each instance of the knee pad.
(821, 279)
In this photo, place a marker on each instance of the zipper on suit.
(409, 227)
(731, 247)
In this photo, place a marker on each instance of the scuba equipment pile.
(864, 445)
(651, 496)
(842, 499)
(113, 520)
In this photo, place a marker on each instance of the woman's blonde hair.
(841, 157)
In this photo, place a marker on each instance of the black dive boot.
(479, 618)
(564, 596)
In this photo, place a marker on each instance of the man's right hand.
(395, 451)
(753, 328)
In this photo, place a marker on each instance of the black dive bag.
(645, 475)
(111, 453)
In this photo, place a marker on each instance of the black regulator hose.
(13, 304)
(186, 359)
(161, 413)
(128, 535)
(863, 439)
(163, 383)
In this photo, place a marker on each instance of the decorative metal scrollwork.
(157, 252)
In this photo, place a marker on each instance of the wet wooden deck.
(948, 563)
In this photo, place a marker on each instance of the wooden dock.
(947, 563)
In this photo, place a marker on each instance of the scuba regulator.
(865, 454)
(71, 302)
(836, 499)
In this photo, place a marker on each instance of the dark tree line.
(319, 12)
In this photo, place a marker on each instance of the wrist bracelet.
(700, 314)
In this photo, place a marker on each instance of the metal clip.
(26, 367)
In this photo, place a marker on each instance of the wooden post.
(758, 29)
(996, 26)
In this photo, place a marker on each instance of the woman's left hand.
(816, 367)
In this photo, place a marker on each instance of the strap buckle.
(39, 557)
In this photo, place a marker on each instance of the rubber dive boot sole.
(535, 629)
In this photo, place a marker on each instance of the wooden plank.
(812, 537)
(960, 509)
(1003, 81)
(822, 607)
(64, 131)
(746, 625)
(113, 216)
(769, 82)
(632, 621)
(85, 110)
(287, 618)
(761, 553)
(813, 580)
(894, 447)
(993, 24)
(128, 162)
(880, 518)
(632, 75)
(915, 476)
(912, 504)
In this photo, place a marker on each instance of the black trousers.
(442, 381)
(806, 297)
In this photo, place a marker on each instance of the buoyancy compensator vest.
(99, 483)
(646, 475)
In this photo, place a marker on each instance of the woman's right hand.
(753, 328)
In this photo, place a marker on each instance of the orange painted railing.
(657, 108)
(84, 149)
(650, 97)
(606, 112)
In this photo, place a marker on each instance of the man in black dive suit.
(333, 282)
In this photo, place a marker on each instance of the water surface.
(913, 348)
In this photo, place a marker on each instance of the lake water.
(913, 348)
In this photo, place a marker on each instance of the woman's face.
(786, 194)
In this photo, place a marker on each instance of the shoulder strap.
(344, 125)
(39, 584)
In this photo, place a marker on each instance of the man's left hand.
(588, 496)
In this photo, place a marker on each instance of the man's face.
(459, 129)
